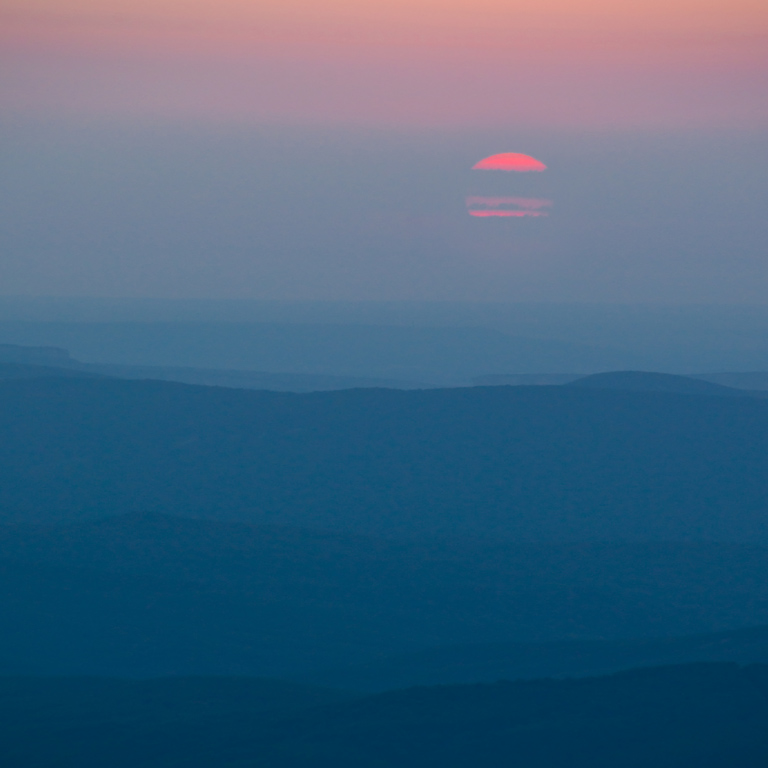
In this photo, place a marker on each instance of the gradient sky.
(321, 149)
(587, 63)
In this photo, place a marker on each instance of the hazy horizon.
(351, 214)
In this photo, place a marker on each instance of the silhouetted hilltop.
(644, 381)
(532, 463)
(673, 717)
(752, 380)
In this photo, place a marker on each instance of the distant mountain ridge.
(520, 463)
(44, 362)
(44, 356)
(436, 355)
(30, 362)
(756, 381)
(645, 381)
(24, 371)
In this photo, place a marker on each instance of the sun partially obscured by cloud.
(515, 207)
(420, 62)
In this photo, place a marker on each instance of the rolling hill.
(671, 717)
(144, 595)
(516, 463)
(645, 381)
(491, 662)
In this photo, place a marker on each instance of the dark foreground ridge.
(489, 662)
(518, 463)
(151, 595)
(668, 717)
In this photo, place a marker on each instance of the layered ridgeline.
(672, 717)
(145, 595)
(370, 540)
(301, 358)
(520, 463)
(20, 362)
(404, 353)
(583, 513)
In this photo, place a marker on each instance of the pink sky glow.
(584, 63)
(482, 206)
(506, 214)
(529, 203)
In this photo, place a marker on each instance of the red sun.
(510, 161)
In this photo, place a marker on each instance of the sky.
(321, 149)
(566, 63)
